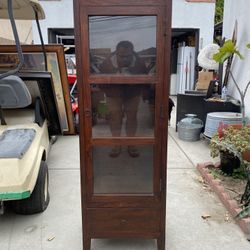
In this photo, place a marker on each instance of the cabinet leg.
(161, 243)
(86, 243)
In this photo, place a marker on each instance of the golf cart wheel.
(39, 199)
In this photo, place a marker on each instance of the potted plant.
(232, 143)
(231, 139)
(234, 140)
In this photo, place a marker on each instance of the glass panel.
(32, 61)
(123, 110)
(123, 169)
(122, 44)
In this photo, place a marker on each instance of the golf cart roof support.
(18, 45)
(41, 39)
(22, 10)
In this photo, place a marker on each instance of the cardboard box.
(204, 79)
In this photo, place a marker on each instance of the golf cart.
(29, 119)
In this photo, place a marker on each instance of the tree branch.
(248, 84)
(242, 96)
(238, 88)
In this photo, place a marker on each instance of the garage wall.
(59, 14)
(197, 15)
(200, 15)
(239, 10)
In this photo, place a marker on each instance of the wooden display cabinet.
(123, 68)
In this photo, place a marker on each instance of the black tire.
(39, 199)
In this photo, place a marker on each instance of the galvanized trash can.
(189, 128)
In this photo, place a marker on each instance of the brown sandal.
(115, 151)
(133, 151)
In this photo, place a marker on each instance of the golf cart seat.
(14, 142)
(14, 93)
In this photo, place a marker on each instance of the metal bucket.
(189, 128)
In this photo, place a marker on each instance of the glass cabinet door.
(123, 110)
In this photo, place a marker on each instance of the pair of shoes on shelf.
(116, 151)
(133, 151)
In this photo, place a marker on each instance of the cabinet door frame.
(160, 79)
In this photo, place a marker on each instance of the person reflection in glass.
(123, 99)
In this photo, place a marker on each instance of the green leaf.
(217, 57)
(226, 51)
(225, 57)
(228, 46)
(239, 54)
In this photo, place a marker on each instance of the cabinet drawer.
(123, 220)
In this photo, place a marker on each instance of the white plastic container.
(215, 118)
(224, 93)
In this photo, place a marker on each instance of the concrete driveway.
(59, 227)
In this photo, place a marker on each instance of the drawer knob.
(124, 222)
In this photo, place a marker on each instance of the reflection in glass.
(122, 44)
(125, 173)
(123, 110)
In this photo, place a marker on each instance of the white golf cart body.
(24, 133)
(18, 175)
(23, 144)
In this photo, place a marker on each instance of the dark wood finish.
(227, 106)
(141, 221)
(123, 3)
(135, 201)
(123, 141)
(123, 215)
(122, 79)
